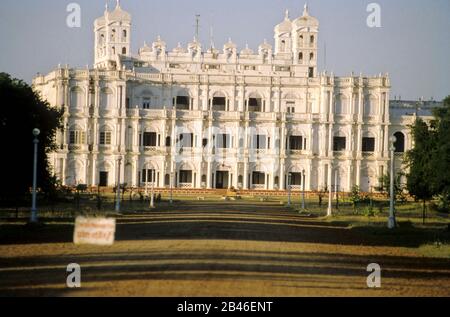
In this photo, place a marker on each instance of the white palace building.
(196, 118)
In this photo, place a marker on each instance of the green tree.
(441, 159)
(420, 161)
(22, 110)
(355, 197)
(399, 188)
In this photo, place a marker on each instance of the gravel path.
(228, 250)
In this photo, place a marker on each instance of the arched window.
(399, 143)
(341, 106)
(124, 51)
(370, 105)
(255, 103)
(77, 98)
(311, 56)
(219, 102)
(311, 39)
(105, 136)
(300, 56)
(77, 136)
(113, 50)
(106, 98)
(124, 34)
(283, 46)
(113, 35)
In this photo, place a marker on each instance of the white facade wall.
(133, 95)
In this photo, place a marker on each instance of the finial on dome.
(118, 4)
(286, 15)
(106, 6)
(305, 10)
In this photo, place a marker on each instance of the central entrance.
(221, 180)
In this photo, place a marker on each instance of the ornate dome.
(265, 46)
(179, 49)
(285, 26)
(229, 45)
(306, 20)
(118, 14)
(247, 51)
(145, 49)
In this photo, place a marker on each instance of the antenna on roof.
(197, 25)
(211, 36)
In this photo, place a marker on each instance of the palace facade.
(206, 118)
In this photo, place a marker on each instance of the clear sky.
(413, 44)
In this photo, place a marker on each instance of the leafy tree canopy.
(22, 110)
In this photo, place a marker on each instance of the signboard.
(96, 231)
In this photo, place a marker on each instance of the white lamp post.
(289, 189)
(34, 219)
(391, 221)
(330, 196)
(152, 200)
(118, 188)
(171, 187)
(303, 189)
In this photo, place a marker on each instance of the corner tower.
(112, 37)
(305, 31)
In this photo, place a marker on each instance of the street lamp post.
(303, 189)
(152, 199)
(171, 188)
(146, 183)
(34, 218)
(118, 187)
(391, 221)
(330, 196)
(289, 189)
(336, 188)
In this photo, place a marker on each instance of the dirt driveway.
(224, 250)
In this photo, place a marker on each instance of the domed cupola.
(119, 14)
(282, 32)
(304, 36)
(112, 37)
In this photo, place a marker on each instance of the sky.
(412, 44)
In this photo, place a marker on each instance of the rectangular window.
(105, 138)
(311, 72)
(77, 137)
(187, 140)
(339, 144)
(290, 107)
(146, 103)
(258, 178)
(260, 142)
(185, 177)
(149, 139)
(368, 144)
(223, 141)
(295, 142)
(255, 105)
(182, 102)
(296, 179)
(219, 103)
(148, 175)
